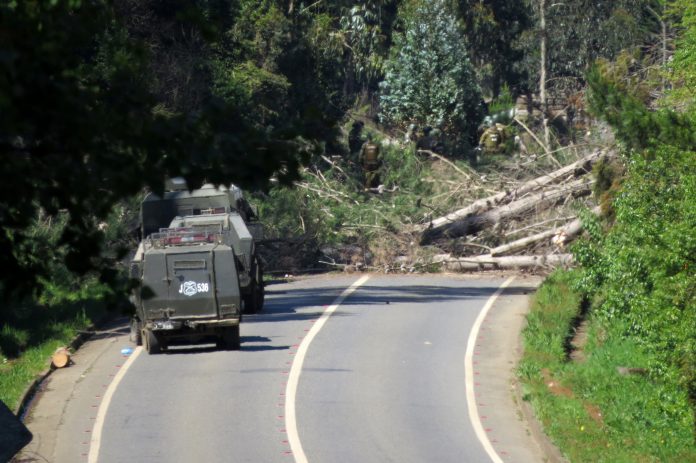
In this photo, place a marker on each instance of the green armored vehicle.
(198, 267)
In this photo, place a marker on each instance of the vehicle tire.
(152, 342)
(136, 333)
(230, 339)
(254, 300)
(260, 295)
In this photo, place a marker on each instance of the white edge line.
(469, 375)
(296, 371)
(95, 442)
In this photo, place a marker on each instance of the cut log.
(540, 201)
(488, 262)
(61, 357)
(577, 168)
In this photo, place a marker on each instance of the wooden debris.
(576, 169)
(474, 223)
(488, 262)
(61, 357)
(560, 237)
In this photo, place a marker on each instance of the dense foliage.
(683, 65)
(101, 99)
(641, 271)
(90, 118)
(430, 80)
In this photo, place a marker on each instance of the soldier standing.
(371, 162)
(491, 142)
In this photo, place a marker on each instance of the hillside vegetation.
(103, 100)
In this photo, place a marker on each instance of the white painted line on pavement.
(469, 375)
(104, 407)
(296, 371)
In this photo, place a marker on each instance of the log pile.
(517, 213)
(499, 216)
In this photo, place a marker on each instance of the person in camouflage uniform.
(371, 161)
(493, 139)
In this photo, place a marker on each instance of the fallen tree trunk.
(474, 223)
(488, 262)
(577, 168)
(522, 243)
(561, 236)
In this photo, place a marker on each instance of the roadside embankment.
(593, 390)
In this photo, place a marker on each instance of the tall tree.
(365, 30)
(430, 80)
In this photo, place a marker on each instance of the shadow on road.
(284, 304)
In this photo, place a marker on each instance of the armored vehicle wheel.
(253, 302)
(230, 339)
(152, 342)
(136, 334)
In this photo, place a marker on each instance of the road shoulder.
(60, 415)
(499, 403)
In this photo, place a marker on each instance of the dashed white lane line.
(296, 371)
(469, 375)
(104, 407)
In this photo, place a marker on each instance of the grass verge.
(27, 342)
(589, 408)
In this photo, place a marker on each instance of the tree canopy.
(97, 104)
(430, 80)
(102, 98)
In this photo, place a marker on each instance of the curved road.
(383, 380)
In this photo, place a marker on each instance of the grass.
(30, 335)
(590, 411)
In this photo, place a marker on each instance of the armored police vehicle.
(199, 272)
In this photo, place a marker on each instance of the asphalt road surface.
(382, 379)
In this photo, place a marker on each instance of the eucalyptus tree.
(429, 80)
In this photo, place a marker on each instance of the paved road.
(382, 381)
(385, 380)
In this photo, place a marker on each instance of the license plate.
(165, 325)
